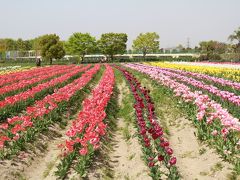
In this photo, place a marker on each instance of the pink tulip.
(151, 164)
(169, 151)
(83, 151)
(173, 161)
(215, 133)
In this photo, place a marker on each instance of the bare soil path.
(126, 155)
(124, 159)
(37, 161)
(45, 166)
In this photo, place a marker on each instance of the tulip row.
(23, 128)
(233, 74)
(212, 64)
(11, 69)
(87, 130)
(46, 74)
(156, 147)
(219, 81)
(214, 123)
(14, 104)
(22, 75)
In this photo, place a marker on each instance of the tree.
(146, 43)
(81, 44)
(23, 45)
(220, 48)
(212, 49)
(51, 47)
(236, 37)
(111, 44)
(7, 44)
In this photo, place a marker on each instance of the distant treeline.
(110, 44)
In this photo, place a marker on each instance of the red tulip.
(166, 143)
(160, 158)
(162, 144)
(151, 164)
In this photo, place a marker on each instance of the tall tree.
(81, 44)
(23, 45)
(12, 45)
(8, 44)
(146, 43)
(111, 44)
(236, 37)
(51, 47)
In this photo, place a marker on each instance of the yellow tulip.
(228, 73)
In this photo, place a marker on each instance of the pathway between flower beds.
(44, 166)
(124, 160)
(126, 154)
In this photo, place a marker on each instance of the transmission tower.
(188, 43)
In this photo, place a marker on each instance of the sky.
(174, 20)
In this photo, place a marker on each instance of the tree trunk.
(144, 56)
(51, 61)
(111, 57)
(82, 58)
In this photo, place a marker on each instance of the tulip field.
(158, 120)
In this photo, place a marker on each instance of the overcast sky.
(173, 20)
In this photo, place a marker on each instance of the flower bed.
(46, 74)
(23, 128)
(156, 148)
(22, 75)
(88, 128)
(13, 104)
